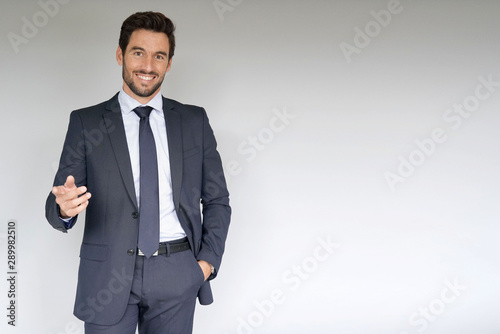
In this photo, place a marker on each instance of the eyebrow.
(136, 48)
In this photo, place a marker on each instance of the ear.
(119, 56)
(169, 65)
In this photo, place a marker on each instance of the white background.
(318, 177)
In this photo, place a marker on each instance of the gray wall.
(360, 140)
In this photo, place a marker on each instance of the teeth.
(145, 78)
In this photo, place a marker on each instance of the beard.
(139, 91)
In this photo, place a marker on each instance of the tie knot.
(143, 111)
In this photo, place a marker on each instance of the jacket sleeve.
(214, 200)
(72, 162)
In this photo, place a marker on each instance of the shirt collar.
(128, 103)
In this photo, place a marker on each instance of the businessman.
(147, 171)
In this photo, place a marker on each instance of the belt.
(170, 247)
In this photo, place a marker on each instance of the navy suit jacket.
(95, 152)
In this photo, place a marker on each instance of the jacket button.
(130, 252)
(135, 214)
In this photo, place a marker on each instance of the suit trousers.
(163, 296)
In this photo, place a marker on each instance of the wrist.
(207, 268)
(63, 214)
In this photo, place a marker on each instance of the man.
(140, 164)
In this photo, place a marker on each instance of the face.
(144, 64)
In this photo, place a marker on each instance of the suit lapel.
(114, 122)
(174, 136)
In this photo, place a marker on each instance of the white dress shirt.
(170, 227)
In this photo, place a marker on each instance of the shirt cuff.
(67, 221)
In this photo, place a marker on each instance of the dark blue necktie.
(149, 207)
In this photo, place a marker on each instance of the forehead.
(149, 40)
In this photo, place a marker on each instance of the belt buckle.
(140, 253)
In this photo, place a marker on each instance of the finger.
(64, 194)
(70, 182)
(71, 198)
(55, 190)
(78, 209)
(59, 191)
(79, 200)
(72, 204)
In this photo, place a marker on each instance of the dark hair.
(150, 21)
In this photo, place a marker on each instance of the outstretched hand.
(71, 199)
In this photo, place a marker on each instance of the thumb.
(55, 190)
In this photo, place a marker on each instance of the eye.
(138, 53)
(160, 57)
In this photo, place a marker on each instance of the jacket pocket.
(94, 252)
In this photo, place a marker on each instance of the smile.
(145, 77)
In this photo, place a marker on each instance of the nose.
(148, 64)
